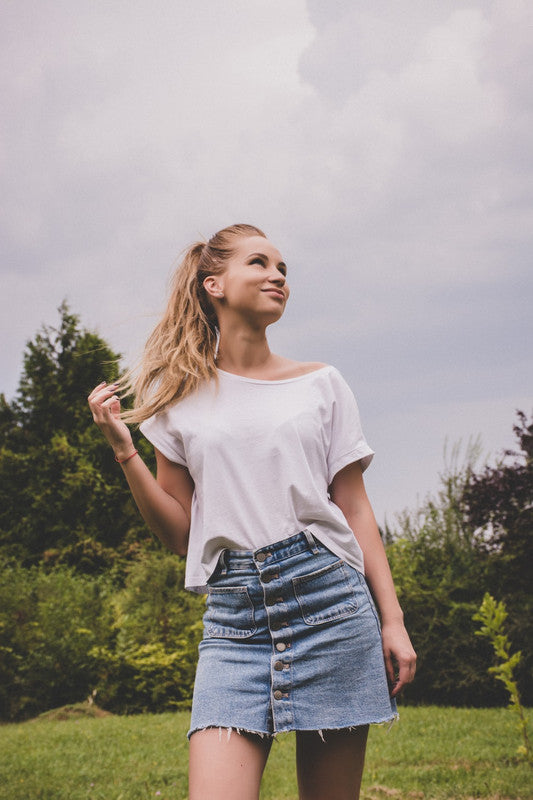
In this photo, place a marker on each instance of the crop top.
(262, 455)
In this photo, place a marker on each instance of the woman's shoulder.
(280, 370)
(287, 368)
(305, 367)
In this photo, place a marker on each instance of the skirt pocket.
(230, 613)
(325, 595)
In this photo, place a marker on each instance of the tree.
(62, 497)
(498, 503)
(440, 575)
(130, 633)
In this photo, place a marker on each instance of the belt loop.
(223, 567)
(311, 541)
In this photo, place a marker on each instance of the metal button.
(262, 557)
(278, 666)
(281, 646)
(278, 695)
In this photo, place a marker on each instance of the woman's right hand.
(105, 407)
(165, 503)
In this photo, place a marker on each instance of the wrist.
(124, 453)
(393, 618)
(390, 611)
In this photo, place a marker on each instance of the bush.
(158, 626)
(49, 623)
(440, 572)
(64, 635)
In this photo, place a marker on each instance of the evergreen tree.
(62, 497)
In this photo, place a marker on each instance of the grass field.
(431, 754)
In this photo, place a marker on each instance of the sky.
(385, 148)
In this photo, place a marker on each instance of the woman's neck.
(243, 354)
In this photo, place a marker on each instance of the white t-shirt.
(262, 455)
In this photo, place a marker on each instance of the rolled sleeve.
(347, 441)
(168, 442)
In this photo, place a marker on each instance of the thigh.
(330, 764)
(226, 765)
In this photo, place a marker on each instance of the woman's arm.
(165, 503)
(348, 492)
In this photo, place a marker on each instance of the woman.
(259, 482)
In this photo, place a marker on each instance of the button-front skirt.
(291, 642)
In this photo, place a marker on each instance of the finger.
(406, 674)
(105, 411)
(112, 403)
(389, 668)
(101, 393)
(96, 389)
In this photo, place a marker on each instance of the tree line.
(92, 605)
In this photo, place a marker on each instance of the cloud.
(414, 133)
(132, 130)
(386, 153)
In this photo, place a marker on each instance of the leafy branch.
(492, 615)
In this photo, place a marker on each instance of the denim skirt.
(291, 641)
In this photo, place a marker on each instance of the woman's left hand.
(400, 657)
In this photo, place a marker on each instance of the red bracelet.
(123, 460)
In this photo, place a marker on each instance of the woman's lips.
(275, 293)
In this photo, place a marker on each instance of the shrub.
(158, 627)
(49, 622)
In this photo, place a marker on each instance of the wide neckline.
(279, 380)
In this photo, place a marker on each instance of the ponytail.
(180, 352)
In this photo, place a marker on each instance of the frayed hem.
(228, 730)
(323, 731)
(390, 722)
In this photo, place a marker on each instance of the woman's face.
(254, 282)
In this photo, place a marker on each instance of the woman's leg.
(330, 769)
(226, 765)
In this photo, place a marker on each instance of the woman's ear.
(213, 287)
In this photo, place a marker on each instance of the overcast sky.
(384, 147)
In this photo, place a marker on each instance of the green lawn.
(431, 754)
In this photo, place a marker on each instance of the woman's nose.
(277, 277)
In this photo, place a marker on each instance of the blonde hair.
(180, 352)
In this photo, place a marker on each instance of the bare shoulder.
(310, 366)
(288, 368)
